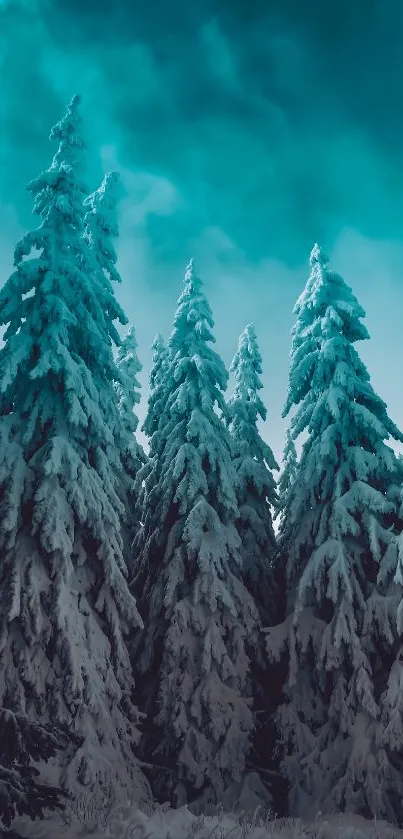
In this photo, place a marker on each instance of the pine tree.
(194, 670)
(257, 497)
(127, 456)
(22, 744)
(65, 607)
(254, 462)
(288, 474)
(384, 616)
(157, 384)
(133, 456)
(152, 422)
(129, 366)
(100, 228)
(340, 521)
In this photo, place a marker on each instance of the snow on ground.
(162, 823)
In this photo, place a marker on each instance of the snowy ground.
(130, 823)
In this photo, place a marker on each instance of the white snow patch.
(161, 822)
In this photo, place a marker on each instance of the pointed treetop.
(248, 339)
(247, 366)
(158, 345)
(289, 468)
(107, 190)
(289, 448)
(318, 257)
(129, 342)
(193, 317)
(128, 364)
(110, 181)
(69, 132)
(156, 400)
(246, 406)
(102, 203)
(193, 283)
(327, 309)
(127, 353)
(159, 357)
(75, 101)
(101, 227)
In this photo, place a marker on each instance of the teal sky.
(244, 132)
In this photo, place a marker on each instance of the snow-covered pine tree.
(100, 229)
(288, 474)
(133, 456)
(22, 744)
(384, 616)
(153, 419)
(65, 607)
(254, 462)
(194, 670)
(339, 524)
(257, 498)
(157, 385)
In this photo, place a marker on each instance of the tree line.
(157, 637)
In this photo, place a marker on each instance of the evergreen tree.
(289, 467)
(142, 487)
(157, 385)
(340, 521)
(384, 617)
(254, 462)
(126, 456)
(22, 744)
(133, 456)
(256, 495)
(129, 366)
(65, 607)
(100, 228)
(194, 670)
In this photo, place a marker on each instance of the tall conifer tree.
(257, 499)
(65, 607)
(132, 454)
(340, 521)
(288, 474)
(194, 669)
(254, 463)
(153, 419)
(157, 374)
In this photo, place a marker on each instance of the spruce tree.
(254, 462)
(65, 607)
(288, 474)
(126, 456)
(155, 413)
(22, 744)
(384, 617)
(100, 229)
(194, 669)
(340, 522)
(157, 384)
(257, 498)
(132, 454)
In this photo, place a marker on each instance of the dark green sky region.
(244, 130)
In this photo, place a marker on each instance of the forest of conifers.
(194, 624)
